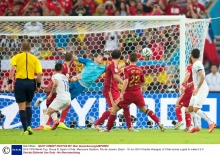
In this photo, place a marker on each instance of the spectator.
(203, 2)
(145, 9)
(110, 8)
(117, 13)
(35, 46)
(124, 9)
(80, 10)
(189, 11)
(182, 3)
(4, 6)
(200, 8)
(133, 8)
(213, 79)
(101, 11)
(173, 8)
(92, 5)
(33, 28)
(170, 85)
(111, 39)
(9, 42)
(156, 10)
(155, 85)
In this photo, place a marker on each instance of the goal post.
(171, 37)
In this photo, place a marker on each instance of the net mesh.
(162, 70)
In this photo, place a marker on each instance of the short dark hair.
(214, 65)
(195, 53)
(116, 54)
(133, 57)
(25, 46)
(58, 67)
(68, 57)
(92, 56)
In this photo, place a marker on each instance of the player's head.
(133, 57)
(58, 67)
(116, 54)
(214, 68)
(25, 46)
(195, 53)
(97, 58)
(68, 57)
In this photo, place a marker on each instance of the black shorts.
(24, 90)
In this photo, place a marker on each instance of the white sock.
(194, 119)
(204, 116)
(44, 120)
(54, 116)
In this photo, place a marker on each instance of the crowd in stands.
(191, 8)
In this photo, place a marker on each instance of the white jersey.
(62, 89)
(197, 66)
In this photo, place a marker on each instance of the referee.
(26, 65)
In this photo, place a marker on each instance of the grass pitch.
(87, 136)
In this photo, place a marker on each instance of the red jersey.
(173, 10)
(135, 77)
(189, 70)
(65, 70)
(110, 83)
(198, 7)
(91, 5)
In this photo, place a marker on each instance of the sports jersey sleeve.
(13, 61)
(83, 60)
(54, 77)
(114, 69)
(198, 66)
(38, 67)
(189, 69)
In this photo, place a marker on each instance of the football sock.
(179, 114)
(49, 121)
(194, 119)
(104, 116)
(54, 116)
(29, 115)
(204, 116)
(23, 118)
(44, 120)
(64, 114)
(110, 123)
(188, 120)
(127, 117)
(152, 115)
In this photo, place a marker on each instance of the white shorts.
(59, 104)
(199, 99)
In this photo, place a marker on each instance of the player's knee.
(195, 109)
(186, 110)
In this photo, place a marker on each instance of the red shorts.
(184, 99)
(132, 97)
(109, 95)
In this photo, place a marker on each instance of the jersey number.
(66, 86)
(134, 81)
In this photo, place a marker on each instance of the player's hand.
(121, 97)
(61, 50)
(79, 77)
(10, 89)
(189, 84)
(182, 90)
(195, 91)
(49, 96)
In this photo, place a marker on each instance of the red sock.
(179, 114)
(188, 120)
(64, 114)
(105, 115)
(153, 116)
(49, 121)
(110, 123)
(127, 117)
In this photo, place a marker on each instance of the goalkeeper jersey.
(90, 72)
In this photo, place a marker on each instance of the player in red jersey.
(110, 90)
(184, 99)
(65, 71)
(131, 93)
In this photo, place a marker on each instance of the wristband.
(10, 81)
(38, 84)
